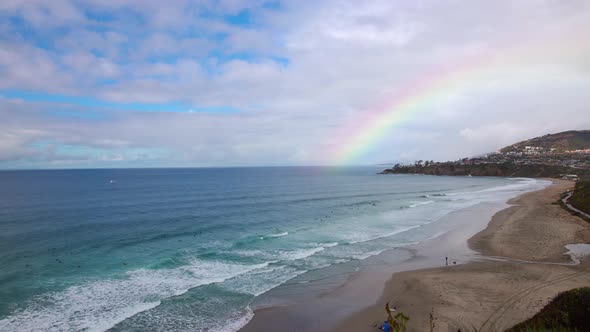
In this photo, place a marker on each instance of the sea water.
(190, 249)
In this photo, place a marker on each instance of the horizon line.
(183, 167)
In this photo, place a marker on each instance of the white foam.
(233, 324)
(299, 254)
(437, 235)
(279, 234)
(368, 254)
(250, 253)
(416, 204)
(99, 305)
(262, 280)
(519, 185)
(359, 238)
(274, 235)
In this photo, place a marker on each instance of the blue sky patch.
(90, 102)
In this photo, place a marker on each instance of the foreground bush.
(568, 311)
(581, 197)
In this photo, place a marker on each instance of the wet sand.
(522, 266)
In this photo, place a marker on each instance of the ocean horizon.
(189, 249)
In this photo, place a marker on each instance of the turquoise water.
(189, 249)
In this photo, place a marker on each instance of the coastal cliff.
(552, 155)
(488, 169)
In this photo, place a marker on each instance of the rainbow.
(425, 92)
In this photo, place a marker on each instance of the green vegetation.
(563, 206)
(565, 141)
(581, 197)
(568, 311)
(487, 169)
(397, 322)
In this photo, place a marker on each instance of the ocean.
(191, 249)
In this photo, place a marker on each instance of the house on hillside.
(572, 177)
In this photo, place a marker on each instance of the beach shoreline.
(356, 303)
(521, 267)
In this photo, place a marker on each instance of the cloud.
(274, 83)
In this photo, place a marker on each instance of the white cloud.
(346, 60)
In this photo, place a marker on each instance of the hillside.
(551, 155)
(505, 169)
(562, 142)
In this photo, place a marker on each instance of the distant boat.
(112, 181)
(469, 175)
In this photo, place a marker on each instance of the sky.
(178, 83)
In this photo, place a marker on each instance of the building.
(572, 177)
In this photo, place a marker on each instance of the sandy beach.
(523, 265)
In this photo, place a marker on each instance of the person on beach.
(447, 261)
(390, 320)
(397, 323)
(385, 326)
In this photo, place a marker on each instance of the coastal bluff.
(548, 156)
(488, 169)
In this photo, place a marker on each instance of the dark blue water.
(188, 249)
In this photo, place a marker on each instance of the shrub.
(568, 311)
